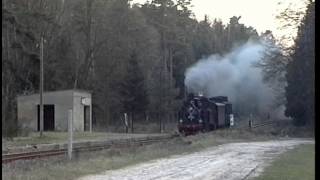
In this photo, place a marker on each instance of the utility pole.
(41, 86)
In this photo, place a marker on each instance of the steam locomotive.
(201, 114)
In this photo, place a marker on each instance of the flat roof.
(219, 104)
(49, 92)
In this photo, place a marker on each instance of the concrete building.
(56, 106)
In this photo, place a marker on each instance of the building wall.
(78, 107)
(62, 100)
(27, 113)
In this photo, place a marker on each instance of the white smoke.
(233, 75)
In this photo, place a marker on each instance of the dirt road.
(229, 161)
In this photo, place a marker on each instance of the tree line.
(291, 71)
(300, 89)
(132, 57)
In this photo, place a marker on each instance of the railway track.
(266, 123)
(6, 158)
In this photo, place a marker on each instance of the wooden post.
(160, 122)
(250, 121)
(132, 117)
(126, 121)
(41, 86)
(70, 133)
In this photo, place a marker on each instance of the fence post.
(250, 121)
(126, 121)
(70, 133)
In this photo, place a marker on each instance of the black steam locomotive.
(199, 113)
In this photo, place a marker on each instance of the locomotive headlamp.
(180, 121)
(200, 120)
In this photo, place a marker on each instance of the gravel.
(228, 161)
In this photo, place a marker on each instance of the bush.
(23, 131)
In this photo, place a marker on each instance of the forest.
(133, 57)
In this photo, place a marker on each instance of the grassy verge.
(97, 162)
(61, 137)
(279, 129)
(296, 164)
(86, 163)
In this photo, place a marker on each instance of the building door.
(48, 117)
(86, 118)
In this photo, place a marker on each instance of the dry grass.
(140, 126)
(99, 161)
(61, 137)
(114, 132)
(282, 128)
(89, 163)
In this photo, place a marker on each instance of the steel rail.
(263, 124)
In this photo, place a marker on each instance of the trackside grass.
(61, 137)
(99, 161)
(94, 162)
(296, 164)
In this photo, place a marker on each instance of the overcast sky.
(260, 14)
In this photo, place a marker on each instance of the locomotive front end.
(200, 113)
(190, 117)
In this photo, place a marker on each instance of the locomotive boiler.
(201, 114)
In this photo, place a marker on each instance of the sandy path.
(229, 161)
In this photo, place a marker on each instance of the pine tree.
(132, 88)
(300, 73)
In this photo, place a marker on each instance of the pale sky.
(260, 14)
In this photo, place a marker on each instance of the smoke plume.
(233, 75)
